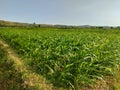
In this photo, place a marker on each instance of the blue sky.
(69, 12)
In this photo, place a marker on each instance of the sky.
(68, 12)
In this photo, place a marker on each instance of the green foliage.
(68, 57)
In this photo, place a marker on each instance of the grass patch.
(10, 79)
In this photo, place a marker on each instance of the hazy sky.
(70, 12)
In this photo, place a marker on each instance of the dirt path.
(30, 79)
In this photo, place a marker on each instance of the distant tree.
(111, 27)
(39, 25)
(100, 27)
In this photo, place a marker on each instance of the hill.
(12, 24)
(4, 23)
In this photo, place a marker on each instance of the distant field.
(69, 58)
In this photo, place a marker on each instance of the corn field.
(69, 58)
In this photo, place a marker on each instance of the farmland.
(68, 58)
